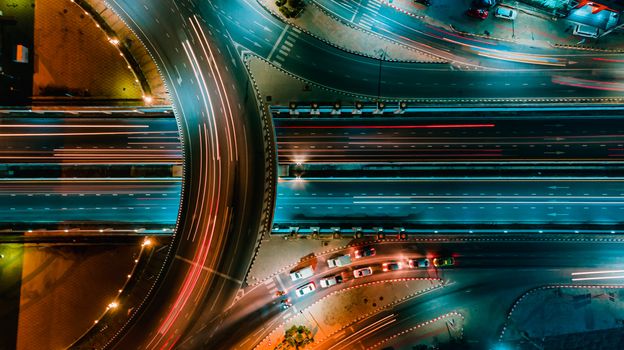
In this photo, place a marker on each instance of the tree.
(296, 337)
(290, 8)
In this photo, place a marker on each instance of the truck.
(303, 272)
(340, 261)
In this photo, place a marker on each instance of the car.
(285, 303)
(304, 272)
(477, 13)
(422, 263)
(306, 289)
(391, 266)
(330, 281)
(340, 261)
(364, 251)
(424, 2)
(505, 13)
(442, 262)
(364, 271)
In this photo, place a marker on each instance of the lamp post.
(382, 56)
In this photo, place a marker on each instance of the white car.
(365, 271)
(305, 272)
(505, 13)
(306, 289)
(340, 261)
(330, 281)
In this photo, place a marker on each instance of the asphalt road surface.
(487, 278)
(223, 186)
(55, 202)
(99, 139)
(435, 138)
(449, 201)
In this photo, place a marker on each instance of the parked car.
(305, 272)
(365, 271)
(364, 251)
(330, 281)
(424, 2)
(306, 289)
(391, 266)
(477, 13)
(505, 13)
(422, 263)
(442, 262)
(340, 261)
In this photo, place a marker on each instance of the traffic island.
(557, 317)
(343, 308)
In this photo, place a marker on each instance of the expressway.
(89, 201)
(480, 280)
(197, 50)
(98, 139)
(222, 208)
(438, 138)
(448, 202)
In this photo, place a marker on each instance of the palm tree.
(296, 337)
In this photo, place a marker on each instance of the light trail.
(383, 321)
(431, 126)
(595, 272)
(598, 278)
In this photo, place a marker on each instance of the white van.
(305, 272)
(340, 261)
(586, 31)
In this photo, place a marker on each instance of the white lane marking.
(277, 42)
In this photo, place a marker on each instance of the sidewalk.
(317, 23)
(532, 27)
(340, 309)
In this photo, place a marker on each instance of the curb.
(420, 325)
(585, 48)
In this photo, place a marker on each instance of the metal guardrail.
(318, 110)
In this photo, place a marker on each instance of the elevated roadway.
(455, 136)
(79, 202)
(450, 202)
(224, 179)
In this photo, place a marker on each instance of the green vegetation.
(296, 337)
(290, 8)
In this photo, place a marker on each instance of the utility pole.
(382, 57)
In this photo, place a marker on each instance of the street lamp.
(381, 53)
